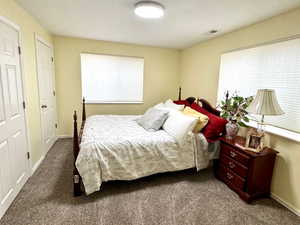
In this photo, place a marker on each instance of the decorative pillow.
(202, 119)
(153, 119)
(179, 125)
(215, 126)
(170, 104)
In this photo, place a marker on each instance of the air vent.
(213, 31)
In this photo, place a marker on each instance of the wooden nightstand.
(248, 173)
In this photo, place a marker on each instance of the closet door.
(46, 92)
(14, 163)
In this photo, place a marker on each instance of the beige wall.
(161, 78)
(199, 77)
(29, 26)
(198, 67)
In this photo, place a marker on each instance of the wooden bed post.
(179, 94)
(83, 110)
(76, 176)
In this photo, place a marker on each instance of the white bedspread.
(117, 148)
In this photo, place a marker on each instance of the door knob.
(44, 106)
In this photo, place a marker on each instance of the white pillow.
(179, 125)
(159, 105)
(162, 106)
(170, 104)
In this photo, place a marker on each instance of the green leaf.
(242, 124)
(225, 114)
(246, 119)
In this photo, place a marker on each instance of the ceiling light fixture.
(149, 9)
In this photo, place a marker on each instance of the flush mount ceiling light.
(149, 9)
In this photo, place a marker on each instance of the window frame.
(272, 129)
(87, 101)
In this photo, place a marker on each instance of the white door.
(47, 92)
(14, 165)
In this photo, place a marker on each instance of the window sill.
(112, 102)
(278, 131)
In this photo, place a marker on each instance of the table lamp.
(265, 104)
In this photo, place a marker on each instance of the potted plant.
(233, 109)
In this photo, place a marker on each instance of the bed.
(114, 147)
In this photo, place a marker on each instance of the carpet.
(177, 198)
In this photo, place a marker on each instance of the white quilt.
(117, 148)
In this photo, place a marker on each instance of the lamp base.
(261, 128)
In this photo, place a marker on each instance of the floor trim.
(285, 204)
(37, 164)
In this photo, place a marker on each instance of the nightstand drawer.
(229, 177)
(234, 165)
(235, 154)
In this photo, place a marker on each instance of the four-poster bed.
(77, 138)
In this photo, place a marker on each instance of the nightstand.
(248, 173)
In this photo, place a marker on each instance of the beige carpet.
(174, 198)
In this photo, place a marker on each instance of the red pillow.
(215, 127)
(182, 102)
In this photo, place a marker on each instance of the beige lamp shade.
(265, 103)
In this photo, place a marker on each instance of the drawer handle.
(232, 154)
(231, 165)
(229, 176)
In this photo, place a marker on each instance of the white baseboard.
(64, 136)
(37, 164)
(285, 204)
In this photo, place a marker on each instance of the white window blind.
(112, 79)
(273, 66)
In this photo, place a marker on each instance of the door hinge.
(24, 105)
(19, 49)
(28, 155)
(53, 93)
(56, 125)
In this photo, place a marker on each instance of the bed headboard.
(205, 104)
(201, 101)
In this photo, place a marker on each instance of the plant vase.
(232, 130)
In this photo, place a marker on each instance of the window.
(112, 79)
(273, 66)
